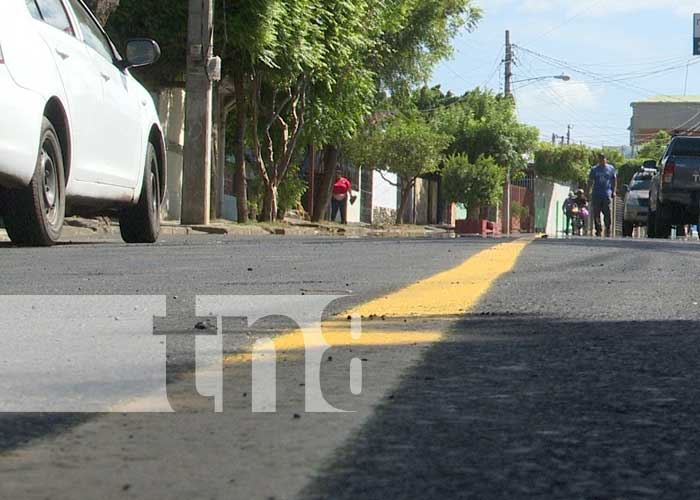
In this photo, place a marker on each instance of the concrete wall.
(549, 199)
(384, 198)
(171, 109)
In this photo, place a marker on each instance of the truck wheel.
(141, 223)
(663, 222)
(627, 229)
(36, 212)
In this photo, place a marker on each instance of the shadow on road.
(526, 407)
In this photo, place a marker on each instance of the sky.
(615, 51)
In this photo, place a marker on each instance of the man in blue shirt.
(603, 181)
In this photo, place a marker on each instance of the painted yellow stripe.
(417, 314)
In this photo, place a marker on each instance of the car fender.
(151, 131)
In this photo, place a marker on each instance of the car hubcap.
(51, 194)
(154, 192)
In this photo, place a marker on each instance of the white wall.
(171, 108)
(383, 193)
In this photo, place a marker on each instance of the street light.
(563, 77)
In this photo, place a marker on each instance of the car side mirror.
(625, 189)
(141, 52)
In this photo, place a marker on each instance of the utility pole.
(508, 65)
(554, 139)
(568, 134)
(196, 172)
(507, 92)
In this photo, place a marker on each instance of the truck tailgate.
(687, 173)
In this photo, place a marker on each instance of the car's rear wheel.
(627, 229)
(141, 223)
(663, 222)
(35, 213)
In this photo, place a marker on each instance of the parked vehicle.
(674, 194)
(78, 134)
(636, 208)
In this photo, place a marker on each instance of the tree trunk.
(239, 149)
(405, 193)
(102, 8)
(325, 188)
(269, 210)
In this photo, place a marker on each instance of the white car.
(78, 134)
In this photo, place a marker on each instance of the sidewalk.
(104, 228)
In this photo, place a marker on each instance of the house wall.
(648, 118)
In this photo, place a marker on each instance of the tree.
(655, 148)
(102, 8)
(472, 184)
(485, 124)
(563, 163)
(407, 146)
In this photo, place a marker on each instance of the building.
(674, 114)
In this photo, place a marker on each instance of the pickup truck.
(674, 194)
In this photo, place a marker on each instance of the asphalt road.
(575, 376)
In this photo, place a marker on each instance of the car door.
(81, 83)
(118, 122)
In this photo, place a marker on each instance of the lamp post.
(508, 66)
(563, 77)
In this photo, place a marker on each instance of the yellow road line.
(417, 314)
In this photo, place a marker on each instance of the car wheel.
(663, 222)
(141, 223)
(36, 213)
(627, 229)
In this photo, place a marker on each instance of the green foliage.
(563, 163)
(473, 184)
(407, 146)
(288, 196)
(612, 155)
(485, 124)
(626, 170)
(519, 211)
(168, 26)
(655, 149)
(292, 190)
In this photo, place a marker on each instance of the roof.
(681, 99)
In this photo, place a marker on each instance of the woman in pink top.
(342, 190)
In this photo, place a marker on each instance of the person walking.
(342, 191)
(602, 184)
(568, 209)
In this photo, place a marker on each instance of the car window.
(640, 185)
(33, 9)
(93, 35)
(686, 147)
(53, 13)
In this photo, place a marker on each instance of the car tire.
(141, 222)
(35, 213)
(663, 222)
(627, 229)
